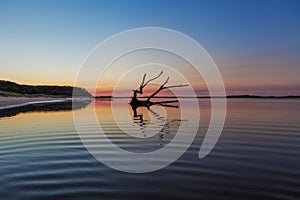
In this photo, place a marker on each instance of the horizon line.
(204, 97)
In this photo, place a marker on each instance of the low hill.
(8, 88)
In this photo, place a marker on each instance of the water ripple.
(255, 158)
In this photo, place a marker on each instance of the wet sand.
(10, 102)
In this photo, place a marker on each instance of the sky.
(255, 44)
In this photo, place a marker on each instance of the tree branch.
(136, 103)
(143, 84)
(171, 106)
(163, 102)
(158, 90)
(162, 87)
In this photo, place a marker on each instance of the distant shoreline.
(208, 97)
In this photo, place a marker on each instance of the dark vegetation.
(103, 97)
(208, 97)
(9, 88)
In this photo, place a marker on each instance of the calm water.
(256, 157)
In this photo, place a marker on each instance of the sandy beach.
(10, 102)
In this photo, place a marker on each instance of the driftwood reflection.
(167, 125)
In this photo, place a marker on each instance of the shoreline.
(14, 102)
(41, 105)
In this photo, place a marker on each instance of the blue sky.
(249, 40)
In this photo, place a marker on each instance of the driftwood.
(135, 102)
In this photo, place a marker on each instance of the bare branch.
(166, 105)
(159, 89)
(141, 86)
(163, 102)
(152, 79)
(136, 102)
(163, 87)
(143, 81)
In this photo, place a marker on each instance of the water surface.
(256, 157)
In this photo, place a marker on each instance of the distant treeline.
(103, 97)
(208, 97)
(62, 91)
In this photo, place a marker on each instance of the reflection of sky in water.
(257, 156)
(149, 129)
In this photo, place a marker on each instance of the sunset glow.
(255, 44)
